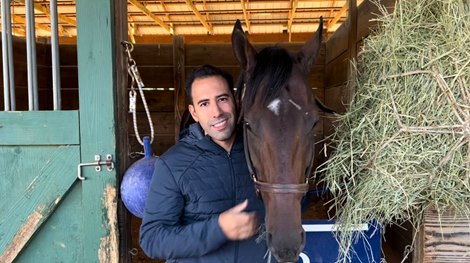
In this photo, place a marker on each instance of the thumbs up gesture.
(238, 224)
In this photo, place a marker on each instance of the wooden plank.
(199, 54)
(96, 52)
(44, 77)
(123, 216)
(179, 63)
(352, 34)
(215, 54)
(397, 241)
(59, 237)
(46, 172)
(68, 55)
(160, 144)
(335, 98)
(352, 48)
(337, 43)
(367, 11)
(39, 128)
(233, 70)
(156, 76)
(446, 237)
(68, 77)
(163, 123)
(336, 72)
(158, 100)
(153, 54)
(217, 39)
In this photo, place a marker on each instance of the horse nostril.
(303, 236)
(269, 237)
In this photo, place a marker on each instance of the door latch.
(109, 164)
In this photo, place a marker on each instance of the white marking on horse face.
(274, 106)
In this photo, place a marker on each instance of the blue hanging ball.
(136, 181)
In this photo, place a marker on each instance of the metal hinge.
(109, 164)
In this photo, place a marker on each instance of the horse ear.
(243, 50)
(311, 49)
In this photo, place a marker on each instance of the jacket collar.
(195, 135)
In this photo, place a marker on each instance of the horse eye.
(311, 122)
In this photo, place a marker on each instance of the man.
(202, 205)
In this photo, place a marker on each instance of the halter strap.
(270, 187)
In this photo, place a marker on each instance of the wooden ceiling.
(199, 20)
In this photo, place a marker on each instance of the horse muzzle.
(286, 247)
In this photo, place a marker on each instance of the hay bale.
(404, 143)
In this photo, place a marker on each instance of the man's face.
(214, 108)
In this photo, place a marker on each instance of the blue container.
(322, 247)
(136, 181)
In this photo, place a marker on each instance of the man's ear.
(193, 112)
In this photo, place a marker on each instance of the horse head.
(279, 113)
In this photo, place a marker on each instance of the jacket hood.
(192, 134)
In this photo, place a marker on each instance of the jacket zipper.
(234, 189)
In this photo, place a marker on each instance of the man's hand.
(237, 224)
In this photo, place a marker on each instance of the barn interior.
(171, 38)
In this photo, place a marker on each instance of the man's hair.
(205, 71)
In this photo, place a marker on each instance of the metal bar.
(11, 67)
(31, 56)
(55, 56)
(6, 74)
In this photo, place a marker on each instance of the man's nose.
(216, 110)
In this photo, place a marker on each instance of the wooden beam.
(167, 15)
(291, 16)
(131, 32)
(218, 39)
(44, 10)
(131, 29)
(352, 46)
(20, 20)
(199, 16)
(208, 17)
(338, 16)
(144, 9)
(179, 81)
(20, 32)
(245, 15)
(333, 5)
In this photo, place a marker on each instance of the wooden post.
(352, 47)
(124, 218)
(179, 81)
(96, 56)
(444, 238)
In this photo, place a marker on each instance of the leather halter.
(271, 187)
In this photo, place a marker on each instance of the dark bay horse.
(279, 113)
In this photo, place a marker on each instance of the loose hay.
(403, 145)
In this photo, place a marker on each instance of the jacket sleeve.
(162, 235)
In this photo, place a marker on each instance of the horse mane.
(272, 71)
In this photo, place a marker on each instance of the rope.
(133, 72)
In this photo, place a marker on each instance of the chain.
(136, 79)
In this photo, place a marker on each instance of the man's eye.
(223, 99)
(204, 104)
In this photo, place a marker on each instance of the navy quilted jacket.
(193, 182)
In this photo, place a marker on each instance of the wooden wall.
(156, 66)
(163, 69)
(159, 66)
